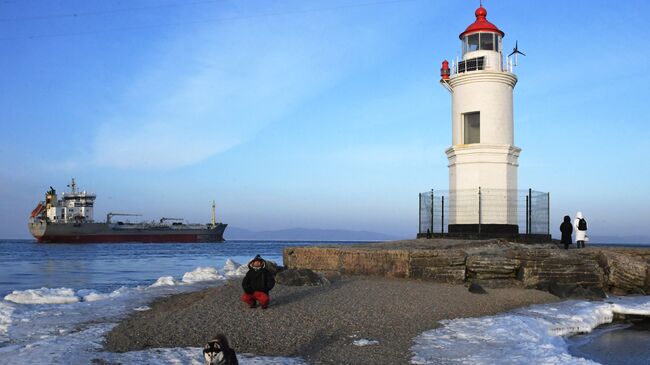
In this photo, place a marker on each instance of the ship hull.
(115, 233)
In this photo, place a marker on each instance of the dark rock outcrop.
(300, 277)
(273, 268)
(476, 289)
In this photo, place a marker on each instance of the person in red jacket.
(257, 283)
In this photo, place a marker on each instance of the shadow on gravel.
(320, 342)
(308, 291)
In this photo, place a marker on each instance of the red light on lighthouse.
(444, 71)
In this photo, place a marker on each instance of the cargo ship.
(70, 220)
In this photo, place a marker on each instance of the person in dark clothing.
(218, 352)
(257, 283)
(567, 230)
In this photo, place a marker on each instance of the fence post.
(442, 214)
(548, 213)
(527, 198)
(530, 214)
(432, 211)
(420, 213)
(479, 210)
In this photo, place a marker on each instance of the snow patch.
(365, 342)
(43, 296)
(190, 355)
(532, 335)
(202, 274)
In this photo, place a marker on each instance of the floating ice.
(43, 296)
(164, 281)
(365, 342)
(532, 335)
(232, 268)
(5, 319)
(142, 308)
(202, 274)
(92, 296)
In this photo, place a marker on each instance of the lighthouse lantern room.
(482, 156)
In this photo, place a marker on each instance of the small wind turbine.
(516, 51)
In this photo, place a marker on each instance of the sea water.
(59, 300)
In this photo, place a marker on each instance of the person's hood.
(567, 219)
(579, 215)
(257, 258)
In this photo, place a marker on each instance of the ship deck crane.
(110, 215)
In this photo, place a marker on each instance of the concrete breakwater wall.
(492, 263)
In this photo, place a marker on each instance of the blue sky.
(319, 114)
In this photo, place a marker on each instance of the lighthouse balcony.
(479, 64)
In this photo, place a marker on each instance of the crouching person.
(218, 352)
(257, 283)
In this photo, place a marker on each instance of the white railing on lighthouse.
(461, 66)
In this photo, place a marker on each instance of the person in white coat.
(580, 226)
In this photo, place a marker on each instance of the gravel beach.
(318, 324)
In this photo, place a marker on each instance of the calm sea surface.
(105, 267)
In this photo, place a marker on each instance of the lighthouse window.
(472, 42)
(472, 128)
(487, 41)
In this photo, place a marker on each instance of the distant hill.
(307, 234)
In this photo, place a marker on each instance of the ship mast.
(73, 186)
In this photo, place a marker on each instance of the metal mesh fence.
(528, 209)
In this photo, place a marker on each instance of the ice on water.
(6, 310)
(232, 268)
(43, 296)
(165, 281)
(202, 274)
(533, 335)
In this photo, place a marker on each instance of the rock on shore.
(492, 263)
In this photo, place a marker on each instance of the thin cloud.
(215, 89)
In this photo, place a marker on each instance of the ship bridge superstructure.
(74, 206)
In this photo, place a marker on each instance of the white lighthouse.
(483, 156)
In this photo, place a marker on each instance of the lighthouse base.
(485, 230)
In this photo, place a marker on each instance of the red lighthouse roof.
(481, 24)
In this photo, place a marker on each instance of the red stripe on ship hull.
(177, 238)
